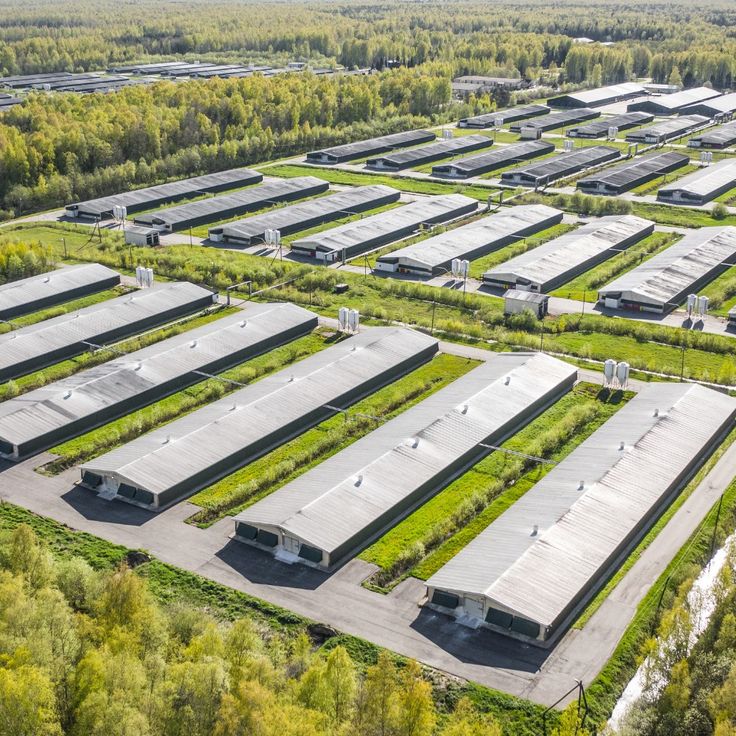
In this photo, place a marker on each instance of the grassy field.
(436, 531)
(115, 433)
(721, 292)
(652, 186)
(263, 476)
(587, 284)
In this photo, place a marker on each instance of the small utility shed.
(675, 103)
(47, 289)
(663, 281)
(173, 462)
(557, 261)
(633, 173)
(205, 211)
(599, 96)
(556, 120)
(599, 128)
(370, 147)
(491, 119)
(435, 255)
(516, 301)
(150, 197)
(701, 186)
(140, 235)
(723, 105)
(354, 238)
(304, 215)
(481, 163)
(61, 410)
(533, 569)
(330, 512)
(666, 130)
(36, 346)
(721, 137)
(551, 169)
(426, 154)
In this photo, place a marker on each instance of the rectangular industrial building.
(721, 137)
(151, 197)
(667, 130)
(304, 215)
(600, 128)
(47, 289)
(599, 96)
(183, 456)
(536, 566)
(333, 510)
(435, 255)
(370, 147)
(675, 103)
(354, 238)
(482, 163)
(701, 186)
(61, 410)
(426, 154)
(663, 281)
(205, 211)
(560, 166)
(33, 347)
(557, 261)
(492, 119)
(633, 173)
(555, 120)
(717, 107)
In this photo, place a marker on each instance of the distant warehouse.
(61, 410)
(662, 282)
(227, 206)
(503, 117)
(296, 217)
(721, 137)
(631, 174)
(435, 255)
(371, 147)
(675, 103)
(561, 166)
(426, 154)
(556, 120)
(47, 289)
(346, 241)
(150, 197)
(557, 261)
(599, 128)
(725, 105)
(332, 511)
(599, 96)
(701, 186)
(667, 130)
(534, 568)
(482, 163)
(36, 346)
(163, 466)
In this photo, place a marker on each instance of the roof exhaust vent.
(244, 323)
(47, 279)
(138, 365)
(581, 485)
(359, 480)
(621, 445)
(233, 407)
(535, 530)
(193, 344)
(68, 394)
(656, 412)
(291, 378)
(415, 443)
(507, 380)
(167, 440)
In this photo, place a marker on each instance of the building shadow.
(93, 508)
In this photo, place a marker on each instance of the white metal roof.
(703, 182)
(601, 95)
(180, 450)
(456, 243)
(669, 273)
(43, 338)
(673, 102)
(24, 292)
(333, 504)
(540, 576)
(91, 391)
(553, 259)
(716, 105)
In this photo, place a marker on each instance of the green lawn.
(721, 292)
(652, 186)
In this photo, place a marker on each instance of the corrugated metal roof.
(359, 149)
(43, 338)
(558, 119)
(507, 116)
(89, 392)
(501, 227)
(334, 503)
(704, 182)
(539, 577)
(248, 199)
(669, 104)
(723, 135)
(382, 225)
(601, 127)
(669, 273)
(666, 129)
(564, 164)
(601, 95)
(22, 294)
(717, 105)
(555, 258)
(628, 173)
(496, 159)
(438, 149)
(291, 217)
(198, 441)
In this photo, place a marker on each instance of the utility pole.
(682, 364)
(582, 314)
(715, 526)
(434, 307)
